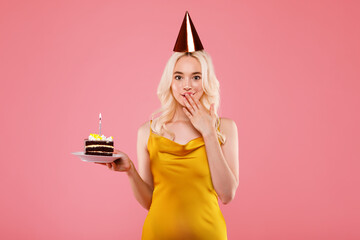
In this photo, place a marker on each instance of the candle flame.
(100, 116)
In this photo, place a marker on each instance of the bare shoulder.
(227, 125)
(229, 129)
(143, 133)
(144, 127)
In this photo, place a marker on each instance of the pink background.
(289, 74)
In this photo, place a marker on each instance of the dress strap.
(150, 125)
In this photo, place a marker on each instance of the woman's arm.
(141, 181)
(223, 160)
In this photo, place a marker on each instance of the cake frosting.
(93, 137)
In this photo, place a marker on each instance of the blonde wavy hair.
(210, 85)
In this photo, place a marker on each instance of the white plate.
(96, 158)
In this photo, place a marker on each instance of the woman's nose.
(187, 84)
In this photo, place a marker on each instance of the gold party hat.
(188, 40)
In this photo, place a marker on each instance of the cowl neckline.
(171, 141)
(164, 144)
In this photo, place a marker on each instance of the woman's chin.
(180, 103)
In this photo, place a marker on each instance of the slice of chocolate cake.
(99, 145)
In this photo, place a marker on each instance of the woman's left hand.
(202, 119)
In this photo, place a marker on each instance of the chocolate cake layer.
(102, 148)
(98, 142)
(99, 153)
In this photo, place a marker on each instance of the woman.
(187, 157)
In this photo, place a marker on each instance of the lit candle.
(100, 124)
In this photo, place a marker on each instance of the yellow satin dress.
(184, 202)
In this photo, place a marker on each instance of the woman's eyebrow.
(177, 72)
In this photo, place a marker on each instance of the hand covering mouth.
(187, 93)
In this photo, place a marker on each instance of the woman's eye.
(197, 77)
(177, 77)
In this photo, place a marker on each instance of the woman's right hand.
(122, 164)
